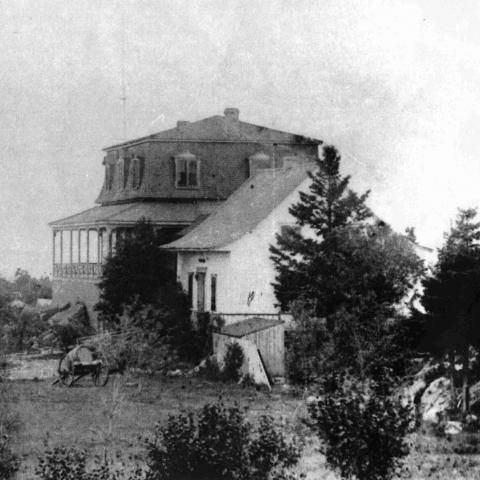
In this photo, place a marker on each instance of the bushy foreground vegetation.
(215, 443)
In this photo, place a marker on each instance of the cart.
(80, 362)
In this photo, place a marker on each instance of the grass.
(82, 416)
(113, 418)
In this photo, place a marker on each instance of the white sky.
(393, 84)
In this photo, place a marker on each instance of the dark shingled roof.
(249, 326)
(218, 128)
(244, 209)
(129, 213)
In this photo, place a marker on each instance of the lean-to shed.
(266, 334)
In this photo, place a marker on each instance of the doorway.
(201, 291)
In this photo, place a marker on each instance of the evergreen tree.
(452, 296)
(348, 268)
(140, 273)
(329, 206)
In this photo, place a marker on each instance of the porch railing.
(77, 270)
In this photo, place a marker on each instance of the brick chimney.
(232, 114)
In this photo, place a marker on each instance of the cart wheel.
(65, 374)
(100, 377)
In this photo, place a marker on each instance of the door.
(200, 291)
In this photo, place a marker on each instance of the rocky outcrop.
(436, 400)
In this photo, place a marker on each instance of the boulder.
(453, 428)
(436, 400)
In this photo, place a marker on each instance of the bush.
(307, 347)
(363, 432)
(64, 463)
(219, 444)
(234, 358)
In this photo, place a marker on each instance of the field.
(79, 416)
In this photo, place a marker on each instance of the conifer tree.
(348, 267)
(452, 297)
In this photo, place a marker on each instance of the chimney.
(232, 114)
(181, 124)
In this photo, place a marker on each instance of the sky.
(393, 84)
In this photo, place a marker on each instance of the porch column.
(53, 249)
(99, 246)
(71, 248)
(61, 247)
(79, 246)
(88, 245)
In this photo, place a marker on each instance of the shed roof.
(249, 326)
(175, 213)
(244, 209)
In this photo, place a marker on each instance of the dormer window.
(187, 171)
(126, 168)
(136, 168)
(109, 173)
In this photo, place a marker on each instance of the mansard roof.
(159, 213)
(219, 128)
(252, 202)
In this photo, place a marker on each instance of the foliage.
(307, 346)
(9, 425)
(363, 432)
(218, 444)
(135, 347)
(140, 272)
(349, 270)
(452, 295)
(67, 463)
(31, 289)
(234, 358)
(66, 334)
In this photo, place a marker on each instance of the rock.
(174, 373)
(311, 399)
(411, 393)
(436, 400)
(453, 428)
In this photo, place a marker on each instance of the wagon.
(81, 362)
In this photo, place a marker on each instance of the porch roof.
(159, 213)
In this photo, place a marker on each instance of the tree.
(362, 431)
(351, 269)
(31, 288)
(139, 271)
(139, 281)
(452, 297)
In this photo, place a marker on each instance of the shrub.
(234, 358)
(64, 463)
(218, 444)
(363, 431)
(307, 347)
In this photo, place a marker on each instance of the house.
(224, 262)
(177, 178)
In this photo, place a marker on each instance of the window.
(109, 173)
(187, 171)
(126, 168)
(190, 289)
(213, 293)
(137, 168)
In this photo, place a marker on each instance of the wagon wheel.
(66, 374)
(100, 376)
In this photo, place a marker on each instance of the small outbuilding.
(259, 337)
